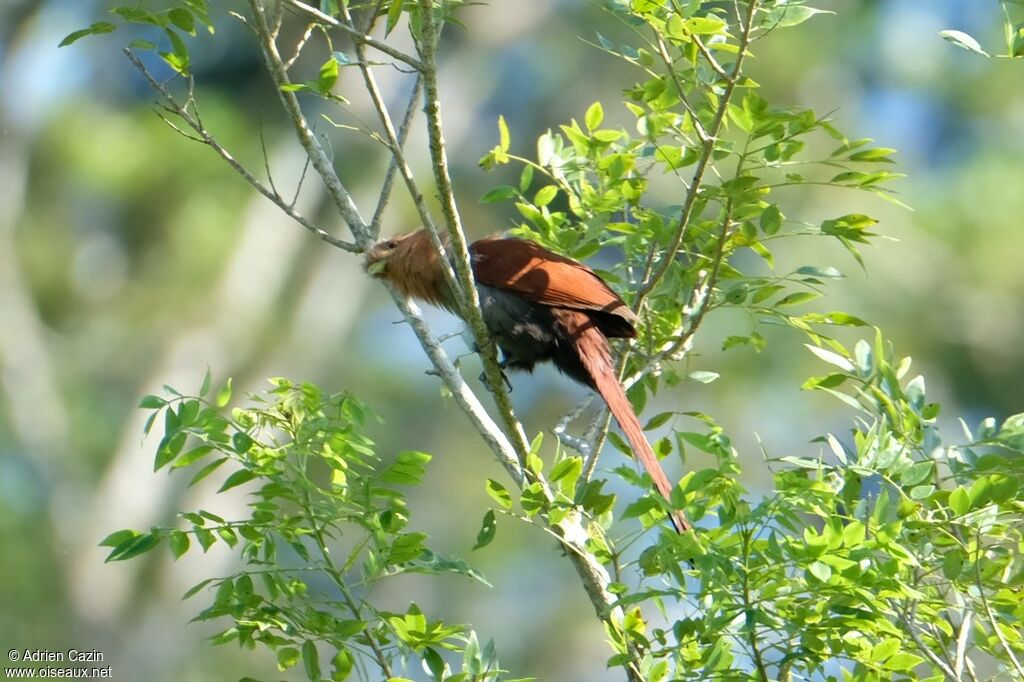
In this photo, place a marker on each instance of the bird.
(537, 306)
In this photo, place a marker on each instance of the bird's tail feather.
(596, 356)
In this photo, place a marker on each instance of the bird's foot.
(504, 378)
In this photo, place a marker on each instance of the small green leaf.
(119, 537)
(545, 195)
(501, 193)
(831, 358)
(182, 18)
(134, 546)
(594, 116)
(327, 76)
(178, 542)
(771, 220)
(487, 530)
(960, 501)
(152, 402)
(95, 29)
(820, 570)
(236, 479)
(206, 471)
(703, 377)
(394, 14)
(964, 40)
(343, 663)
(498, 493)
(798, 297)
(504, 139)
(224, 394)
(311, 660)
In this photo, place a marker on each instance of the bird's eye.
(391, 245)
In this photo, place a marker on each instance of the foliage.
(888, 556)
(318, 489)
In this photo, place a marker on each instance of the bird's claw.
(504, 378)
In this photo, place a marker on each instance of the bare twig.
(321, 162)
(195, 124)
(389, 176)
(961, 642)
(357, 35)
(303, 39)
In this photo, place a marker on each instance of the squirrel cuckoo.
(537, 306)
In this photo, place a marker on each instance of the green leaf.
(545, 195)
(964, 40)
(152, 402)
(343, 663)
(960, 501)
(568, 467)
(206, 471)
(236, 479)
(501, 193)
(917, 473)
(594, 116)
(311, 660)
(192, 456)
(224, 394)
(703, 377)
(119, 537)
(95, 29)
(134, 546)
(499, 493)
(525, 178)
(394, 14)
(487, 530)
(178, 542)
(831, 357)
(327, 76)
(408, 468)
(287, 657)
(182, 18)
(884, 649)
(169, 448)
(792, 15)
(771, 220)
(820, 570)
(407, 546)
(798, 297)
(504, 139)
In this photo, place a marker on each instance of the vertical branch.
(460, 249)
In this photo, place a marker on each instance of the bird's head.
(386, 252)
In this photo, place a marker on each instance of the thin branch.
(681, 91)
(991, 615)
(339, 581)
(668, 257)
(961, 642)
(358, 36)
(195, 124)
(715, 66)
(389, 176)
(908, 624)
(459, 248)
(300, 45)
(338, 192)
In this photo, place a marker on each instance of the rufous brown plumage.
(537, 306)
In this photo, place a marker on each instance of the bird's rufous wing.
(547, 278)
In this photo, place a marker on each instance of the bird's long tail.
(596, 356)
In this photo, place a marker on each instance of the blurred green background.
(131, 257)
